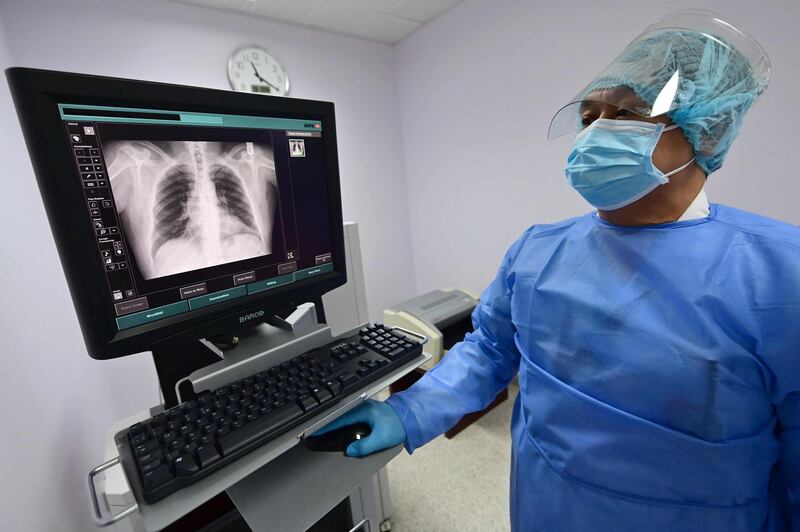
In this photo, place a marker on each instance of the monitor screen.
(181, 212)
(194, 209)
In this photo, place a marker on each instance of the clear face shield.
(688, 59)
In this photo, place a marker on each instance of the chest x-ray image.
(187, 205)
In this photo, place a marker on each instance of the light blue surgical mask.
(611, 163)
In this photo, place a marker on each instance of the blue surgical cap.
(715, 86)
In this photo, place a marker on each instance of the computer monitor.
(180, 212)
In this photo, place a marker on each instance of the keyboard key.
(149, 457)
(252, 432)
(188, 448)
(306, 402)
(185, 466)
(322, 395)
(394, 354)
(146, 447)
(207, 455)
(347, 379)
(157, 477)
(335, 387)
(149, 466)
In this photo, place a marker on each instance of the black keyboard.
(189, 441)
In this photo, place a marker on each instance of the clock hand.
(256, 71)
(262, 79)
(270, 84)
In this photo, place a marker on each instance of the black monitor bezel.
(36, 94)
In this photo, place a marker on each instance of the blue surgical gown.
(659, 372)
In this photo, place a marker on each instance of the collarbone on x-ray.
(187, 205)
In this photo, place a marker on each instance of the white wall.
(56, 402)
(479, 86)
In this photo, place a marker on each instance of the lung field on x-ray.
(187, 205)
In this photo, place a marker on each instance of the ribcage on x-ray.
(189, 205)
(170, 209)
(232, 196)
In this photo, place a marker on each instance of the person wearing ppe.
(657, 340)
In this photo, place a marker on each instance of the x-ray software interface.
(193, 209)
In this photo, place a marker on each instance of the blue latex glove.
(387, 430)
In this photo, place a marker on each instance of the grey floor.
(459, 484)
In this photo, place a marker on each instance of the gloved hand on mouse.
(387, 429)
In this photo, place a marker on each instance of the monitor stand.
(177, 360)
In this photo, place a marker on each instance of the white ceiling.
(388, 21)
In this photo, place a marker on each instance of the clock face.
(254, 69)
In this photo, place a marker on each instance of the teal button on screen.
(310, 272)
(260, 286)
(148, 316)
(217, 297)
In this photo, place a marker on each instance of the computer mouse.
(337, 440)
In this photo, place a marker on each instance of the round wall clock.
(254, 69)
